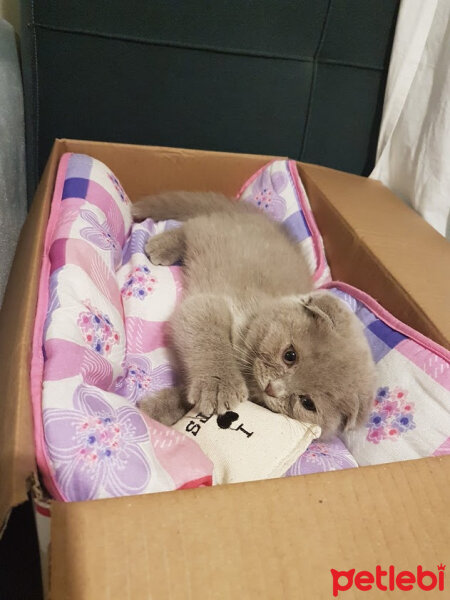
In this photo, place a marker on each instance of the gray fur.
(248, 298)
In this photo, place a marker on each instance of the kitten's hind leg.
(166, 248)
(181, 206)
(166, 406)
(202, 334)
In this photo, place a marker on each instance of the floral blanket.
(99, 344)
(410, 415)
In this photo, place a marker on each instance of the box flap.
(392, 253)
(17, 315)
(273, 539)
(144, 170)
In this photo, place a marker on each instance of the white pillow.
(251, 444)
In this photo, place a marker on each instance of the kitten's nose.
(270, 391)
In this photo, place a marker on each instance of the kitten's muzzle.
(270, 391)
(275, 389)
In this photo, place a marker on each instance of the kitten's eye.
(290, 356)
(307, 403)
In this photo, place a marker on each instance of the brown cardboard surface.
(16, 327)
(150, 169)
(276, 539)
(378, 244)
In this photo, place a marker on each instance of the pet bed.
(99, 345)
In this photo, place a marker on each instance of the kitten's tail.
(182, 206)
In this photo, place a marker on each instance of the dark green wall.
(303, 78)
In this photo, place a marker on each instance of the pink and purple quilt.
(100, 344)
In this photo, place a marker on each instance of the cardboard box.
(271, 539)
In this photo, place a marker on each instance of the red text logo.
(389, 579)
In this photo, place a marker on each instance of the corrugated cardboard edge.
(17, 462)
(144, 170)
(276, 539)
(403, 262)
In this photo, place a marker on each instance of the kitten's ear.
(359, 410)
(348, 423)
(352, 419)
(328, 309)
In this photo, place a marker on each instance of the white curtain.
(413, 156)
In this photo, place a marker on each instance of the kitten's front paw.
(165, 406)
(161, 251)
(216, 395)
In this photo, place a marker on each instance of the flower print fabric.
(320, 456)
(118, 186)
(91, 439)
(142, 378)
(139, 283)
(97, 329)
(392, 415)
(265, 194)
(409, 417)
(101, 343)
(101, 234)
(96, 448)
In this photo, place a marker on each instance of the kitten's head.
(307, 357)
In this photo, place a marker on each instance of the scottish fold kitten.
(250, 325)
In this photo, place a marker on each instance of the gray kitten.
(250, 326)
